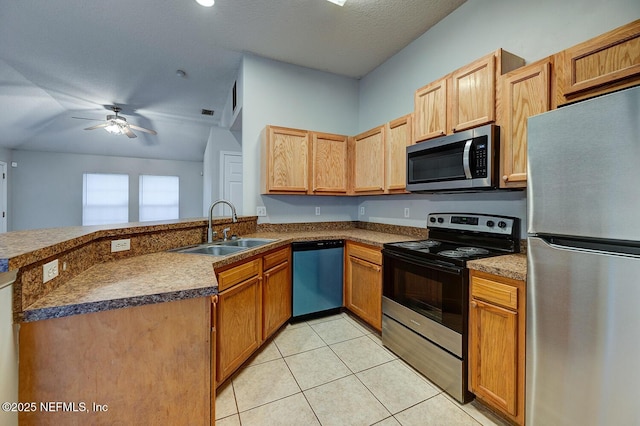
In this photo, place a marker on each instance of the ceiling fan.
(117, 125)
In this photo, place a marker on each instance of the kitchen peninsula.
(131, 330)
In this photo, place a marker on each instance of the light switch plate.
(317, 211)
(406, 212)
(361, 211)
(120, 245)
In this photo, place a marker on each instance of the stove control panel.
(502, 225)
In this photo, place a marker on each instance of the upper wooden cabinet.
(430, 109)
(367, 150)
(600, 65)
(285, 159)
(474, 94)
(525, 92)
(464, 99)
(398, 136)
(329, 163)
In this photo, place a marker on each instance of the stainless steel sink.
(246, 242)
(224, 248)
(210, 249)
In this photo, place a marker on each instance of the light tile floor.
(335, 371)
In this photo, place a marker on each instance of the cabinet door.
(276, 296)
(398, 137)
(368, 162)
(430, 110)
(239, 327)
(527, 92)
(329, 163)
(474, 94)
(497, 312)
(493, 363)
(363, 290)
(287, 161)
(600, 65)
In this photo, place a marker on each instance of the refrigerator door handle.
(466, 159)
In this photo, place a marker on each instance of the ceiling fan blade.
(97, 126)
(92, 119)
(142, 129)
(127, 131)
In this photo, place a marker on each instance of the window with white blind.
(105, 198)
(159, 197)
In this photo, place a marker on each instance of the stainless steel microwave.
(466, 160)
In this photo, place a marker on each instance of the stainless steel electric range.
(426, 292)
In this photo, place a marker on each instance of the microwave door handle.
(466, 159)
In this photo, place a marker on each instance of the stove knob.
(440, 220)
(502, 224)
(432, 219)
(491, 223)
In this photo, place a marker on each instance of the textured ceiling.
(65, 58)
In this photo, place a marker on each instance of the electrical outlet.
(261, 211)
(361, 211)
(406, 212)
(317, 211)
(49, 271)
(120, 245)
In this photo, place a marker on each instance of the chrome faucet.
(234, 217)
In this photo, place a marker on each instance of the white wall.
(286, 95)
(47, 187)
(219, 140)
(531, 30)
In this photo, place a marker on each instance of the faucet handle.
(224, 231)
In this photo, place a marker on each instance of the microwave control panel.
(479, 158)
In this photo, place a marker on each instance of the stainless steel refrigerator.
(583, 285)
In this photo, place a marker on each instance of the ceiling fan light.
(206, 3)
(114, 128)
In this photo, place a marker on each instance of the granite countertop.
(167, 276)
(510, 266)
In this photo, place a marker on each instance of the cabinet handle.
(474, 304)
(505, 178)
(214, 299)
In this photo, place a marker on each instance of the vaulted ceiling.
(74, 58)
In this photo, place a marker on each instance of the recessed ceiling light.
(206, 3)
(338, 2)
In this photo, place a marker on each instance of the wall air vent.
(207, 112)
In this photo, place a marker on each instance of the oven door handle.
(466, 159)
(452, 269)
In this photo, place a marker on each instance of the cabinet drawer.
(493, 292)
(369, 254)
(272, 259)
(237, 274)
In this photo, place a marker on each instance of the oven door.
(428, 297)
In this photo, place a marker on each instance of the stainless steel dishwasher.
(317, 278)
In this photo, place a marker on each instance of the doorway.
(231, 181)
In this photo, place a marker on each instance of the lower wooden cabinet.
(239, 325)
(497, 343)
(363, 283)
(255, 302)
(147, 364)
(276, 291)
